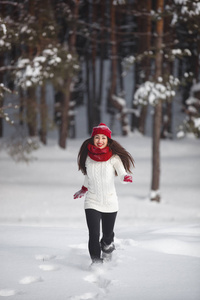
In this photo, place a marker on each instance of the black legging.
(93, 218)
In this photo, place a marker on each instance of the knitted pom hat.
(102, 129)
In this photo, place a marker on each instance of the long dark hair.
(116, 148)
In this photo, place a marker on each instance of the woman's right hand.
(80, 193)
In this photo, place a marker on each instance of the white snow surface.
(43, 233)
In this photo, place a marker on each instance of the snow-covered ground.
(43, 234)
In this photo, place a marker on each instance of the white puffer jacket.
(99, 180)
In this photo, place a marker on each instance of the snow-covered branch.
(52, 62)
(150, 92)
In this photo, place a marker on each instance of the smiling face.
(100, 141)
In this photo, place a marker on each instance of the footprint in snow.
(30, 279)
(49, 267)
(8, 293)
(85, 296)
(100, 281)
(47, 257)
(98, 277)
(44, 257)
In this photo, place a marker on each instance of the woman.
(101, 158)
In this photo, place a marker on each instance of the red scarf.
(98, 154)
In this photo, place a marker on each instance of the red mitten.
(80, 193)
(128, 178)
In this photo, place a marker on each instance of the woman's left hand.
(128, 178)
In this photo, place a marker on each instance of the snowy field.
(43, 234)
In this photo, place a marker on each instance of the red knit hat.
(102, 129)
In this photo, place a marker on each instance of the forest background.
(120, 60)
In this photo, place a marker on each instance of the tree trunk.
(64, 115)
(135, 118)
(21, 106)
(142, 120)
(157, 119)
(31, 111)
(94, 54)
(144, 28)
(114, 104)
(2, 8)
(101, 68)
(113, 76)
(1, 98)
(90, 121)
(89, 101)
(43, 116)
(168, 67)
(145, 46)
(67, 92)
(155, 193)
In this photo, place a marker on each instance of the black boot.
(97, 261)
(107, 248)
